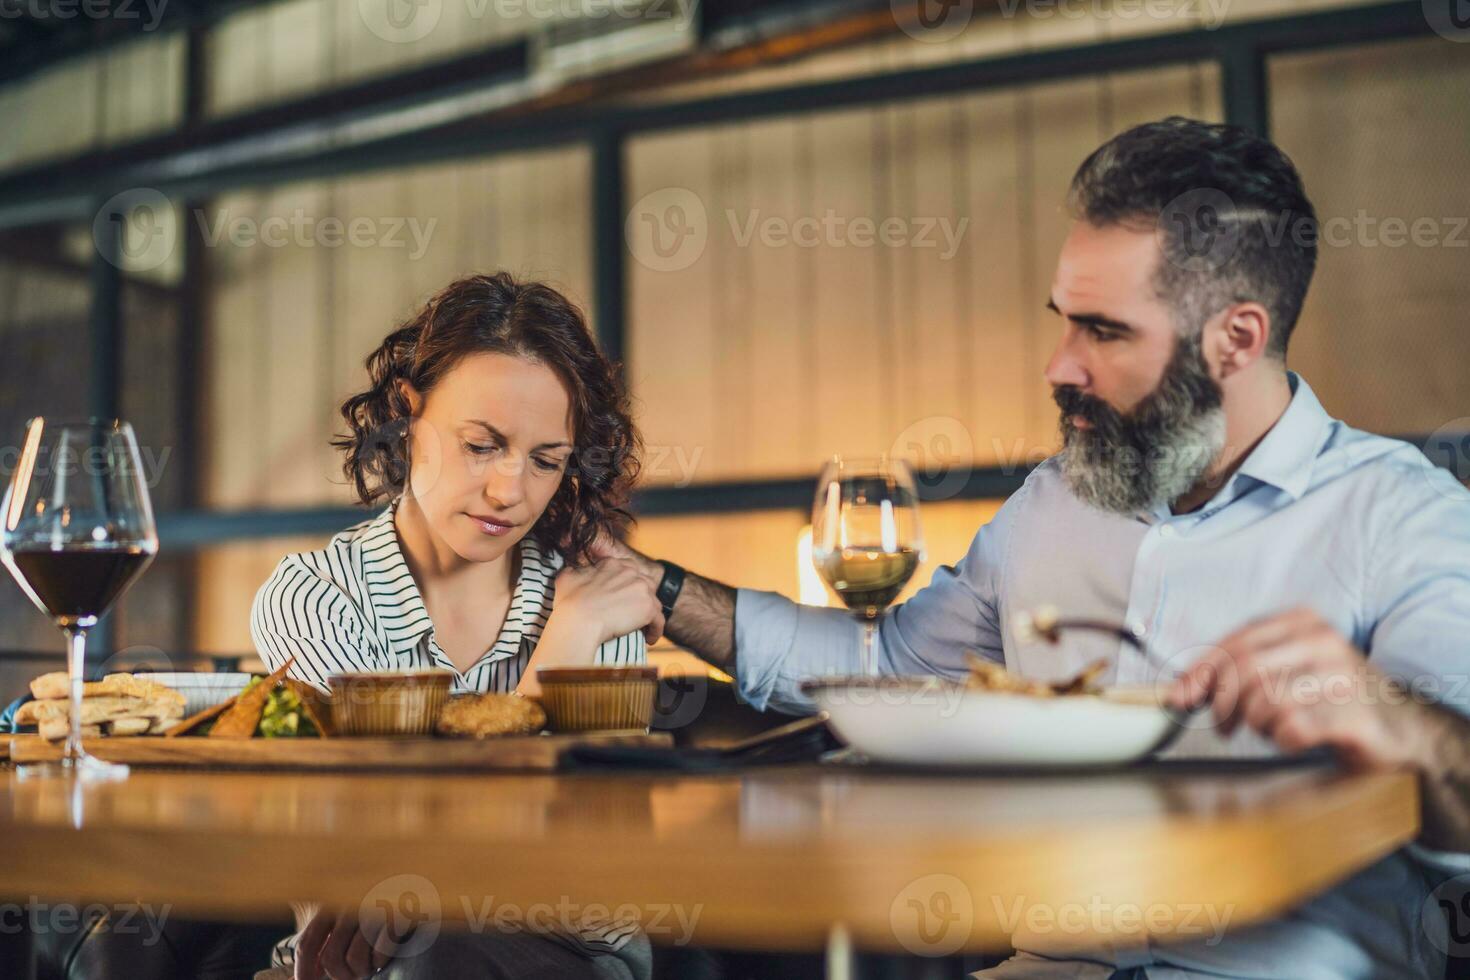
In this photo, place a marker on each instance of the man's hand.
(704, 617)
(1296, 680)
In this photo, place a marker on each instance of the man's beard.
(1154, 454)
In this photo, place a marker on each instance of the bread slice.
(98, 709)
(55, 729)
(129, 726)
(57, 685)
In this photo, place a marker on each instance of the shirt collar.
(1285, 455)
(391, 588)
(400, 608)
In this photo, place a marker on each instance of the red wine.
(78, 584)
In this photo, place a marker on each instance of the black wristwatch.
(669, 586)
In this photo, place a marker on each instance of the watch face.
(669, 586)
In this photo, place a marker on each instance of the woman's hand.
(616, 595)
(337, 946)
(609, 598)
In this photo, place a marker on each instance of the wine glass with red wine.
(866, 538)
(78, 530)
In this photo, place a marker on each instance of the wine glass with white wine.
(77, 531)
(866, 538)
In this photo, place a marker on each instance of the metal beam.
(608, 245)
(105, 393)
(1244, 84)
(105, 397)
(189, 427)
(196, 78)
(197, 529)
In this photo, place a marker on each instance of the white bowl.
(200, 690)
(929, 721)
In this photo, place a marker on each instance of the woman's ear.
(411, 395)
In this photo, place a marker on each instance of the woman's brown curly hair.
(499, 314)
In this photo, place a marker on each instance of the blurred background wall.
(211, 213)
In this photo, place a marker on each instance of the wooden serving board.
(535, 752)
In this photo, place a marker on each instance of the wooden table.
(768, 859)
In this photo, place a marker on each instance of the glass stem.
(76, 659)
(870, 646)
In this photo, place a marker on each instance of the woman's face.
(488, 448)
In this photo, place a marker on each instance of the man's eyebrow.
(1092, 319)
(501, 435)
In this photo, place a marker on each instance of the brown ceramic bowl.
(594, 699)
(389, 702)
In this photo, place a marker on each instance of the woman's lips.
(491, 526)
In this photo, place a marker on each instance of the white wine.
(868, 579)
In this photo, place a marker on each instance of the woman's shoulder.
(337, 565)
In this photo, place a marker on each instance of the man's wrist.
(670, 584)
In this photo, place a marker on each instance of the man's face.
(1141, 417)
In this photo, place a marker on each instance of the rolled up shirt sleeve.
(779, 643)
(1419, 590)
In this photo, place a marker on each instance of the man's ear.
(1236, 338)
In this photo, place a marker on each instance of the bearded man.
(1206, 499)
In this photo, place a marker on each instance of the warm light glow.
(888, 526)
(21, 484)
(834, 531)
(812, 591)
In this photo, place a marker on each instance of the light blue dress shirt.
(1362, 529)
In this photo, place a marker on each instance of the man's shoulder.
(1044, 476)
(1388, 468)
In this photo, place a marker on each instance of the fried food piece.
(200, 717)
(986, 675)
(244, 715)
(1083, 682)
(489, 715)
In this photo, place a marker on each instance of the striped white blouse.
(354, 606)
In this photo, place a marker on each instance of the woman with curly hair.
(500, 438)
